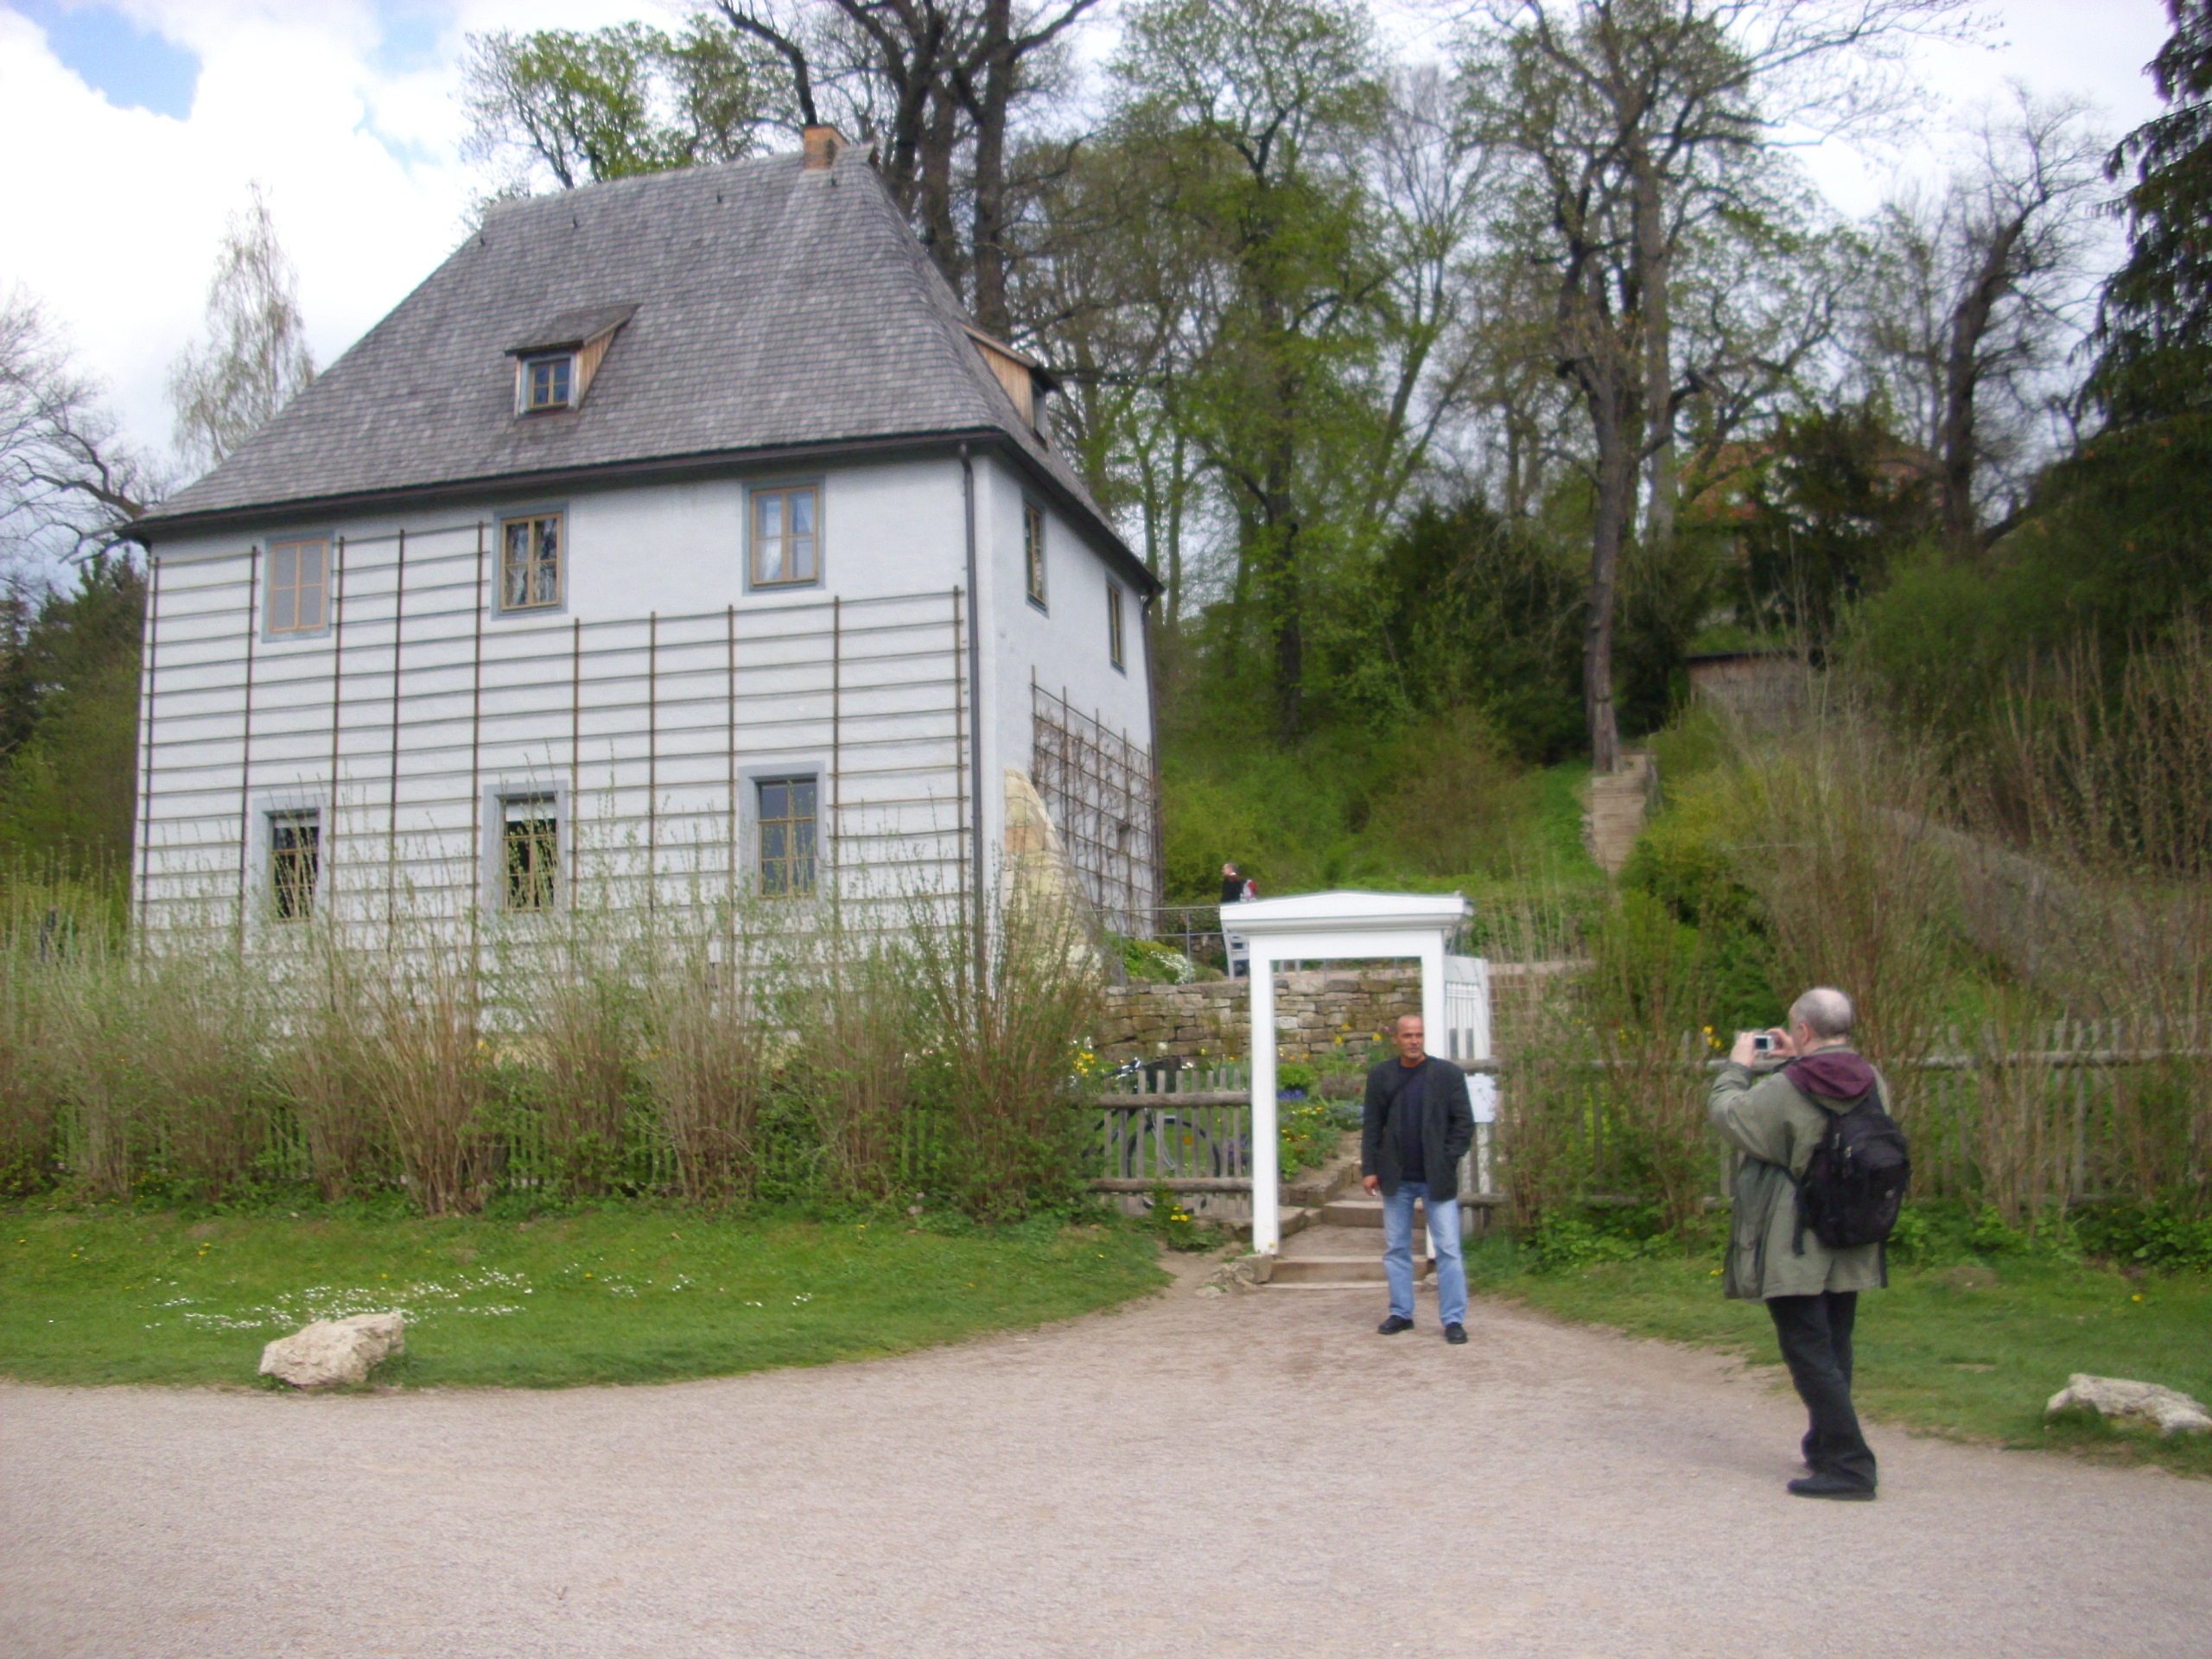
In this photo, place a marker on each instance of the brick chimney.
(823, 144)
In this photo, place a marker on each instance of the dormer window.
(1026, 381)
(546, 381)
(555, 364)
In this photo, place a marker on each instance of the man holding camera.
(1417, 1125)
(1774, 1117)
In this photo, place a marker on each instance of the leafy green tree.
(1830, 501)
(2123, 527)
(582, 106)
(69, 718)
(1254, 111)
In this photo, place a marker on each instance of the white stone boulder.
(330, 1352)
(2118, 1400)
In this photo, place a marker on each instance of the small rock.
(330, 1352)
(2117, 1399)
(1244, 1273)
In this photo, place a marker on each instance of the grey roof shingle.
(773, 306)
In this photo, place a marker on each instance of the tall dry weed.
(2103, 783)
(586, 1003)
(1838, 839)
(859, 1010)
(321, 1064)
(1000, 1033)
(708, 1068)
(1650, 981)
(424, 1062)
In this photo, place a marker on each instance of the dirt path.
(1194, 1476)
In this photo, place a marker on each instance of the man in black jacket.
(1417, 1127)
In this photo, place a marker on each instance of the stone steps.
(1614, 816)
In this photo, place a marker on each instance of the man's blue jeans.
(1398, 1252)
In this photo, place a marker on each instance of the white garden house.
(678, 537)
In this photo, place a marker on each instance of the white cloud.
(116, 214)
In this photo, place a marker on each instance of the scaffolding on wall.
(1102, 793)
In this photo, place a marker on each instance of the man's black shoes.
(1391, 1326)
(1455, 1334)
(1834, 1486)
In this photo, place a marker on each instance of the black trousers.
(1816, 1336)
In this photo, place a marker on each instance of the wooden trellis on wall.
(1101, 789)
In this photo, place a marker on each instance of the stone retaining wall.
(1143, 1020)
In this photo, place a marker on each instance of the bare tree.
(66, 482)
(1638, 126)
(1974, 300)
(934, 83)
(255, 357)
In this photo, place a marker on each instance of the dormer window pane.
(529, 562)
(547, 382)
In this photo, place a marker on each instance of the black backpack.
(1853, 1185)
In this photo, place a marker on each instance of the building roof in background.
(760, 306)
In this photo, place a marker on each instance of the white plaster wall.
(1065, 644)
(739, 683)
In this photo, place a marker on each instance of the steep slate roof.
(775, 308)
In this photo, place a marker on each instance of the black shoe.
(1391, 1326)
(1834, 1486)
(1455, 1334)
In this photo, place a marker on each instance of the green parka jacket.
(1774, 1126)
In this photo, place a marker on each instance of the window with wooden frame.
(530, 852)
(295, 863)
(547, 382)
(1115, 639)
(787, 535)
(530, 562)
(1032, 551)
(299, 587)
(788, 835)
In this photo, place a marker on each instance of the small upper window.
(786, 536)
(546, 382)
(299, 584)
(1113, 636)
(1033, 550)
(295, 861)
(530, 562)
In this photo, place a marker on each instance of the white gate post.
(1267, 1146)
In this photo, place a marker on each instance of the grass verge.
(627, 1294)
(1971, 1352)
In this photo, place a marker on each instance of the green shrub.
(2158, 1235)
(1308, 1132)
(1565, 1240)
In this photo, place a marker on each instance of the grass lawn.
(627, 1294)
(1972, 1352)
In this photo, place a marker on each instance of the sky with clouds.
(135, 127)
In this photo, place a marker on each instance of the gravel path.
(1192, 1476)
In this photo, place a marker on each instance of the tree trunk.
(939, 134)
(988, 250)
(1655, 268)
(1961, 382)
(1616, 502)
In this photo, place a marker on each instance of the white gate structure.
(1343, 925)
